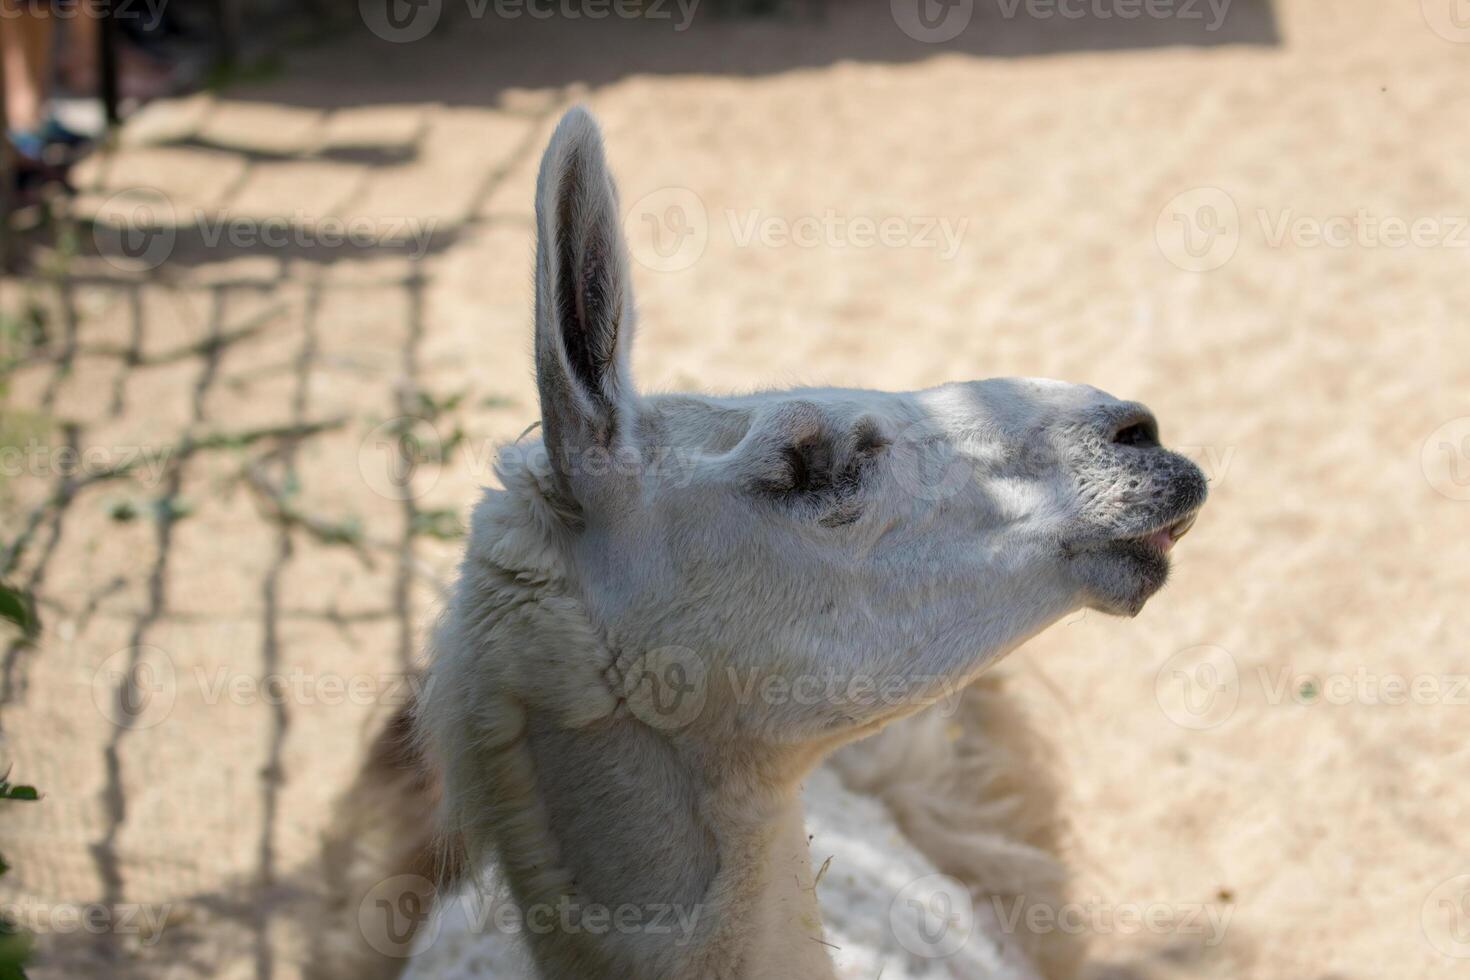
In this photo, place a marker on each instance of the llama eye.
(868, 440)
(800, 469)
(798, 472)
(809, 466)
(814, 469)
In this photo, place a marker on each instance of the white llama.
(678, 606)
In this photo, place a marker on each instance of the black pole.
(107, 58)
(8, 180)
(224, 33)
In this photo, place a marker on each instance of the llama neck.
(672, 873)
(692, 874)
(631, 851)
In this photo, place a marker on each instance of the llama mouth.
(1122, 573)
(1163, 539)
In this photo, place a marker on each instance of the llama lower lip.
(1181, 527)
(1162, 540)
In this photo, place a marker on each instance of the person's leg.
(25, 50)
(140, 76)
(25, 40)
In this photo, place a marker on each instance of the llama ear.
(584, 306)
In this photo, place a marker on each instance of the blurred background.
(266, 314)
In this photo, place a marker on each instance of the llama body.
(870, 935)
(678, 606)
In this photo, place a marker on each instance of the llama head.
(871, 549)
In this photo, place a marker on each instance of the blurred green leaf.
(15, 945)
(442, 523)
(15, 607)
(13, 791)
(171, 508)
(15, 949)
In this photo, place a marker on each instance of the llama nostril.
(1141, 433)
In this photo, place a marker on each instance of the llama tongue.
(1164, 539)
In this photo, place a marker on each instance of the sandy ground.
(1278, 742)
